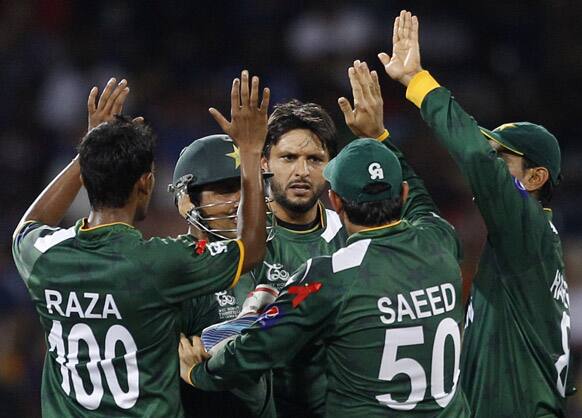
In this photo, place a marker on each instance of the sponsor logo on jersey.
(376, 172)
(224, 299)
(303, 291)
(216, 248)
(269, 317)
(276, 272)
(200, 246)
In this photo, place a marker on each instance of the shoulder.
(33, 239)
(333, 226)
(351, 256)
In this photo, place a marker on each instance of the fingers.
(92, 100)
(265, 102)
(346, 109)
(119, 101)
(395, 31)
(221, 120)
(401, 20)
(376, 84)
(356, 88)
(364, 78)
(106, 93)
(407, 25)
(244, 88)
(234, 96)
(384, 58)
(254, 92)
(414, 32)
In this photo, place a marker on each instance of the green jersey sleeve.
(420, 209)
(305, 310)
(184, 268)
(32, 240)
(508, 211)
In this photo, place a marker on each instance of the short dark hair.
(547, 191)
(373, 213)
(295, 114)
(113, 156)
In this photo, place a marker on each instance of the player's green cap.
(207, 160)
(532, 141)
(365, 171)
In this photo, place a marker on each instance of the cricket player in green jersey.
(209, 171)
(387, 307)
(108, 299)
(301, 139)
(516, 352)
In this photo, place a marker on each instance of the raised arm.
(248, 128)
(54, 201)
(506, 208)
(366, 119)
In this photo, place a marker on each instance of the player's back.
(395, 347)
(108, 301)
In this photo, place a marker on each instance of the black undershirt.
(298, 227)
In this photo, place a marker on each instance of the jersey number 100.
(115, 334)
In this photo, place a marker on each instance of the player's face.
(225, 195)
(297, 162)
(514, 162)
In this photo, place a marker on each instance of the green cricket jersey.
(300, 387)
(110, 302)
(516, 349)
(254, 400)
(388, 309)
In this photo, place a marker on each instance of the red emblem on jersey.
(200, 246)
(303, 291)
(272, 312)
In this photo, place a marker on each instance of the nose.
(302, 168)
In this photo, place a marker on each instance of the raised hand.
(248, 127)
(405, 61)
(366, 118)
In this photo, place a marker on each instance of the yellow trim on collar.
(85, 229)
(375, 228)
(491, 137)
(316, 227)
(383, 136)
(241, 247)
(420, 85)
(547, 209)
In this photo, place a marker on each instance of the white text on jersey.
(83, 308)
(427, 302)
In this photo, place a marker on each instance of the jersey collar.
(391, 228)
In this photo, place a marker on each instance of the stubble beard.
(279, 196)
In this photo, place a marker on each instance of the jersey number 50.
(115, 334)
(390, 367)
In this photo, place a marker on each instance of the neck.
(296, 218)
(110, 215)
(352, 228)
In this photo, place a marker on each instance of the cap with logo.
(532, 141)
(365, 171)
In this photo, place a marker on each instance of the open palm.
(405, 60)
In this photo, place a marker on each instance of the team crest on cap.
(376, 172)
(235, 155)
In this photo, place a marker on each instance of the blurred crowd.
(504, 61)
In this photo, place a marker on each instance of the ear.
(264, 163)
(404, 193)
(145, 184)
(535, 178)
(336, 201)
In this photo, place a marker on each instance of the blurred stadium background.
(504, 61)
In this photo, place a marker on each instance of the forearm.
(251, 221)
(54, 201)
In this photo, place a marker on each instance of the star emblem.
(235, 155)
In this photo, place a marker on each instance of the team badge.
(276, 272)
(223, 298)
(376, 172)
(235, 155)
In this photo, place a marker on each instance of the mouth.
(300, 189)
